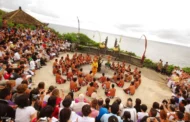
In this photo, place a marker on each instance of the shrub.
(80, 38)
(170, 69)
(186, 69)
(149, 64)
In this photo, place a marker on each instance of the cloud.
(128, 26)
(37, 6)
(174, 35)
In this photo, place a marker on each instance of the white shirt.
(141, 115)
(86, 119)
(32, 65)
(18, 81)
(187, 108)
(133, 113)
(16, 56)
(46, 97)
(23, 115)
(77, 107)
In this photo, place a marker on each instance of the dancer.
(111, 92)
(94, 67)
(73, 85)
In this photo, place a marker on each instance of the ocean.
(173, 54)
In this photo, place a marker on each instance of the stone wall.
(120, 56)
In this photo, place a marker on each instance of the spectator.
(86, 110)
(94, 105)
(114, 111)
(107, 105)
(143, 112)
(127, 117)
(138, 105)
(6, 111)
(77, 107)
(130, 109)
(102, 110)
(24, 112)
(65, 115)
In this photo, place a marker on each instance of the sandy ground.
(153, 87)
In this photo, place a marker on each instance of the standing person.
(164, 70)
(94, 67)
(159, 66)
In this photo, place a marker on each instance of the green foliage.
(149, 64)
(170, 69)
(131, 53)
(80, 38)
(186, 69)
(10, 24)
(2, 13)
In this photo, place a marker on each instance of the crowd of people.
(70, 67)
(23, 51)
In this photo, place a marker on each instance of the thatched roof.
(21, 17)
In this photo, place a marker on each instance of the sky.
(160, 20)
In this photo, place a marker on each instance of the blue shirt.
(105, 117)
(102, 111)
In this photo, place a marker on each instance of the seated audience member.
(113, 119)
(111, 92)
(143, 112)
(67, 104)
(152, 116)
(90, 89)
(127, 117)
(102, 110)
(102, 79)
(114, 111)
(107, 103)
(86, 110)
(24, 112)
(59, 78)
(58, 96)
(94, 105)
(65, 115)
(138, 105)
(130, 109)
(46, 113)
(6, 111)
(131, 89)
(77, 107)
(73, 85)
(48, 94)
